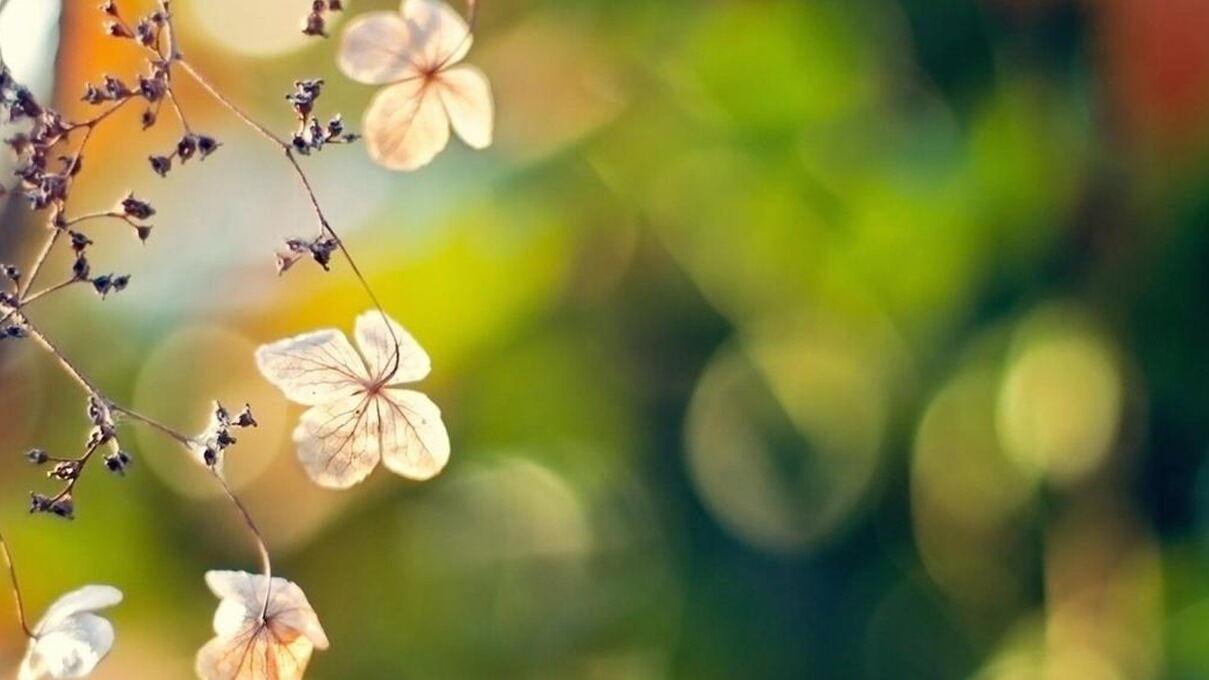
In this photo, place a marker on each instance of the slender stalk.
(266, 563)
(324, 224)
(67, 364)
(48, 290)
(182, 439)
(12, 567)
(167, 431)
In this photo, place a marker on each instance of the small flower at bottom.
(71, 639)
(255, 643)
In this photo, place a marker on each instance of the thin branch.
(12, 567)
(180, 438)
(48, 290)
(324, 224)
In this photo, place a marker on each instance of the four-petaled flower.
(254, 642)
(71, 639)
(415, 51)
(359, 414)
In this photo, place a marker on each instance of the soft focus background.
(777, 339)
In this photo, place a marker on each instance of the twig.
(12, 567)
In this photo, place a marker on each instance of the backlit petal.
(376, 49)
(406, 125)
(313, 368)
(466, 96)
(414, 441)
(390, 349)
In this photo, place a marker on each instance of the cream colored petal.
(414, 441)
(254, 654)
(376, 49)
(90, 598)
(338, 443)
(72, 649)
(466, 95)
(32, 666)
(313, 368)
(391, 354)
(405, 125)
(439, 35)
(242, 600)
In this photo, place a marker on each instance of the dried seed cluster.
(315, 23)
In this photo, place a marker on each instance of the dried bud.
(110, 7)
(148, 118)
(210, 456)
(14, 332)
(92, 95)
(186, 147)
(36, 456)
(80, 268)
(143, 231)
(207, 145)
(117, 29)
(245, 419)
(161, 165)
(11, 272)
(152, 89)
(139, 210)
(65, 470)
(133, 207)
(39, 503)
(314, 25)
(118, 462)
(322, 249)
(221, 415)
(110, 283)
(79, 242)
(65, 507)
(145, 31)
(115, 88)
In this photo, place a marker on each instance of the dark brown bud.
(160, 164)
(139, 210)
(117, 29)
(186, 147)
(207, 145)
(118, 462)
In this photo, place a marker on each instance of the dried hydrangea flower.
(254, 642)
(415, 51)
(71, 639)
(359, 413)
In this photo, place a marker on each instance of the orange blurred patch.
(1156, 61)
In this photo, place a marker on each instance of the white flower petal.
(338, 442)
(466, 95)
(254, 657)
(439, 35)
(405, 125)
(72, 650)
(90, 598)
(244, 594)
(313, 368)
(414, 441)
(376, 49)
(246, 648)
(378, 342)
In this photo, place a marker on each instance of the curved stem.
(324, 224)
(266, 563)
(12, 570)
(163, 429)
